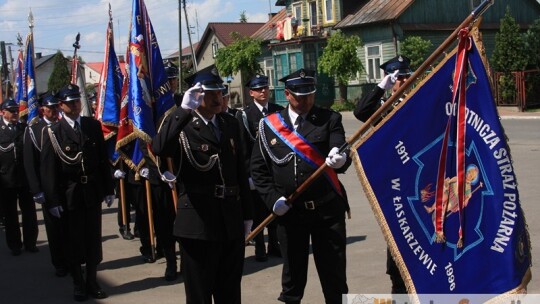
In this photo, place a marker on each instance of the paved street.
(29, 278)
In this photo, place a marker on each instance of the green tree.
(242, 55)
(243, 17)
(509, 55)
(340, 60)
(60, 75)
(415, 48)
(532, 40)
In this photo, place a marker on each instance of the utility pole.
(189, 37)
(179, 47)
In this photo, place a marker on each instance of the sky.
(57, 22)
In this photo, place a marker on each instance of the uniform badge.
(68, 148)
(273, 141)
(204, 147)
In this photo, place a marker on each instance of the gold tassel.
(440, 238)
(460, 243)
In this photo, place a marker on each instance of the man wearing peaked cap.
(32, 148)
(214, 203)
(76, 178)
(292, 144)
(226, 98)
(397, 70)
(172, 75)
(249, 118)
(13, 185)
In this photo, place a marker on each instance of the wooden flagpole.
(383, 109)
(150, 218)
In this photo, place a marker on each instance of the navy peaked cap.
(257, 81)
(208, 77)
(301, 82)
(69, 93)
(400, 63)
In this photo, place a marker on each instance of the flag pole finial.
(30, 20)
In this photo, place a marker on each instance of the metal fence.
(521, 90)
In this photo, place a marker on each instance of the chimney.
(271, 15)
(38, 55)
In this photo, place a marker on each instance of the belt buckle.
(219, 191)
(310, 205)
(84, 179)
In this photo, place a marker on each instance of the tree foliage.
(242, 55)
(509, 53)
(243, 17)
(416, 49)
(340, 58)
(60, 75)
(532, 40)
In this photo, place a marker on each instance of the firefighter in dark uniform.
(397, 70)
(214, 203)
(226, 98)
(13, 183)
(76, 177)
(32, 148)
(249, 118)
(172, 76)
(292, 144)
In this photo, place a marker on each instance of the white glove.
(247, 227)
(388, 81)
(251, 184)
(280, 206)
(335, 160)
(144, 173)
(55, 211)
(39, 198)
(193, 97)
(169, 178)
(119, 174)
(109, 199)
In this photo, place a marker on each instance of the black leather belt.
(316, 203)
(218, 191)
(82, 179)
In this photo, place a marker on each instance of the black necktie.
(299, 122)
(215, 130)
(77, 128)
(264, 111)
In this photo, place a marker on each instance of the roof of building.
(268, 30)
(375, 11)
(41, 60)
(223, 30)
(186, 52)
(97, 66)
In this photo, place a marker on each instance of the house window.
(292, 62)
(297, 10)
(279, 68)
(215, 47)
(329, 10)
(310, 59)
(313, 13)
(268, 67)
(373, 61)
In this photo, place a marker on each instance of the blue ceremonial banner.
(109, 94)
(20, 87)
(30, 105)
(148, 95)
(398, 167)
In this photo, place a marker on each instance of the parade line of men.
(231, 169)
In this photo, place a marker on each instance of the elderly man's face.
(211, 103)
(71, 109)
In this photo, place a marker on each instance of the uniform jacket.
(250, 128)
(11, 156)
(32, 148)
(369, 104)
(202, 215)
(324, 130)
(62, 182)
